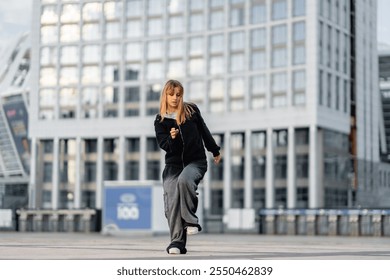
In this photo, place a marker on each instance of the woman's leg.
(187, 184)
(181, 201)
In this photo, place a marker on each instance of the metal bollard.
(386, 225)
(53, 222)
(365, 223)
(311, 224)
(291, 225)
(377, 225)
(270, 224)
(333, 225)
(69, 222)
(22, 220)
(37, 222)
(86, 223)
(353, 221)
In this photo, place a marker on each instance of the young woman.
(182, 133)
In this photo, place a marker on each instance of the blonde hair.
(184, 112)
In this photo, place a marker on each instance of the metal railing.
(347, 222)
(63, 220)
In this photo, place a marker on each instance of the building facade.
(287, 87)
(14, 143)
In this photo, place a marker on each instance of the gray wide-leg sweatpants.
(181, 201)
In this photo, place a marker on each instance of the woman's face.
(173, 99)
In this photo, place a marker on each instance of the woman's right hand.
(174, 132)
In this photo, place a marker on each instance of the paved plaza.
(95, 246)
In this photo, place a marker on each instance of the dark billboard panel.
(17, 119)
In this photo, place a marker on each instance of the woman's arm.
(208, 139)
(164, 138)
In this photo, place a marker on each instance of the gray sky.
(15, 17)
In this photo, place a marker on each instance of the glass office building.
(287, 87)
(14, 143)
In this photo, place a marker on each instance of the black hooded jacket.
(188, 145)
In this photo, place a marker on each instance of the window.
(175, 48)
(47, 146)
(134, 8)
(176, 25)
(216, 43)
(155, 7)
(281, 197)
(259, 38)
(196, 66)
(47, 172)
(91, 54)
(301, 136)
(155, 26)
(299, 7)
(131, 94)
(49, 14)
(216, 19)
(110, 171)
(196, 22)
(299, 82)
(258, 12)
(175, 69)
(237, 15)
(302, 166)
(134, 29)
(92, 11)
(280, 166)
(133, 145)
(258, 167)
(132, 170)
(90, 172)
(279, 9)
(90, 146)
(258, 90)
(237, 41)
(280, 138)
(134, 51)
(237, 62)
(49, 34)
(216, 65)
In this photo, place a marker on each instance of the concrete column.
(122, 158)
(227, 177)
(79, 172)
(291, 170)
(207, 189)
(100, 173)
(56, 169)
(269, 177)
(313, 168)
(248, 189)
(143, 153)
(32, 187)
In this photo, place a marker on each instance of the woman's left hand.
(217, 159)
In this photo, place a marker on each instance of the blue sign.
(127, 208)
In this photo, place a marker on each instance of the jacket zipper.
(182, 152)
